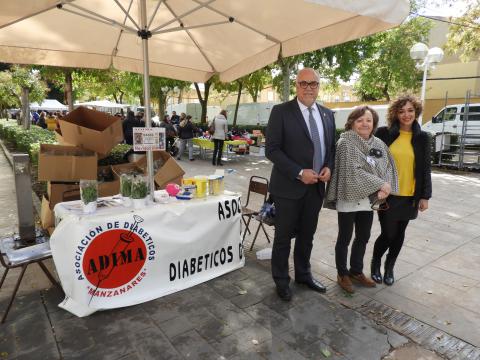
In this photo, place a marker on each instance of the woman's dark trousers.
(391, 237)
(217, 151)
(362, 221)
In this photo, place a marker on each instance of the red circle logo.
(114, 258)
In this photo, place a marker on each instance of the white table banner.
(124, 257)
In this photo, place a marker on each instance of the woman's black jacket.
(421, 142)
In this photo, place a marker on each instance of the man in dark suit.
(300, 141)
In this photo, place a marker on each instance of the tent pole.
(145, 35)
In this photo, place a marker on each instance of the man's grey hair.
(317, 75)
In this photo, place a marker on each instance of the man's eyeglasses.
(375, 153)
(311, 84)
(380, 205)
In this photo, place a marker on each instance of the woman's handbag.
(211, 128)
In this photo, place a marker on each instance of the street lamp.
(425, 59)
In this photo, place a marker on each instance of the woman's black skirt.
(401, 208)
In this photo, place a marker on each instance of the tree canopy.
(464, 35)
(390, 70)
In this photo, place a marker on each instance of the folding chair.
(11, 258)
(259, 186)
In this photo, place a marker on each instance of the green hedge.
(25, 140)
(29, 141)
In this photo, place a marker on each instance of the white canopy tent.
(104, 105)
(48, 105)
(183, 39)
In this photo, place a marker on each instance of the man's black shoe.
(284, 293)
(313, 284)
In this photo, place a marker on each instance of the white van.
(450, 120)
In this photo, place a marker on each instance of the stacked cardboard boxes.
(85, 136)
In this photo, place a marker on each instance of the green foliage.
(116, 155)
(139, 188)
(464, 36)
(26, 78)
(8, 95)
(284, 82)
(339, 62)
(255, 82)
(89, 192)
(26, 140)
(391, 71)
(161, 88)
(125, 185)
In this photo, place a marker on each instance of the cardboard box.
(127, 168)
(66, 163)
(47, 218)
(59, 138)
(168, 169)
(108, 188)
(91, 129)
(59, 192)
(69, 191)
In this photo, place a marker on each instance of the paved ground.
(438, 284)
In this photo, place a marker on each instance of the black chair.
(257, 186)
(11, 258)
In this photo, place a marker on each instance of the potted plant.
(126, 188)
(89, 195)
(139, 191)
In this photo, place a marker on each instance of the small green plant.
(139, 188)
(126, 185)
(88, 191)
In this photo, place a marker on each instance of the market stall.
(122, 256)
(207, 144)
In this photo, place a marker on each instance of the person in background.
(175, 119)
(42, 120)
(301, 145)
(140, 117)
(170, 132)
(220, 126)
(185, 133)
(128, 124)
(411, 148)
(35, 117)
(364, 169)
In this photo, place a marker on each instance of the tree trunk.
(69, 89)
(162, 104)
(203, 100)
(240, 86)
(25, 109)
(255, 96)
(385, 93)
(286, 82)
(180, 96)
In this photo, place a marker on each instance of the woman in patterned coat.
(364, 173)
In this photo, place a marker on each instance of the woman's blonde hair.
(396, 106)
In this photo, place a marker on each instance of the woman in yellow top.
(410, 148)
